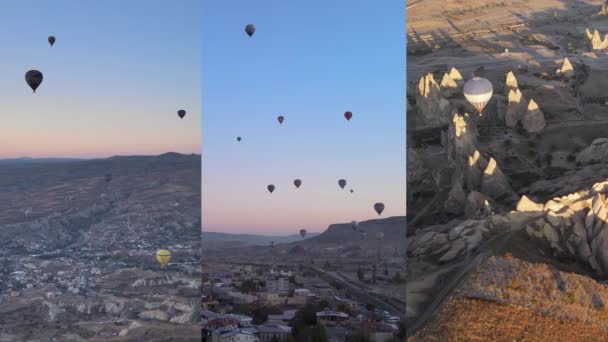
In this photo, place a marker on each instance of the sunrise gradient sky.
(309, 61)
(113, 81)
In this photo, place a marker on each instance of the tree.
(342, 307)
(385, 269)
(275, 339)
(248, 286)
(323, 303)
(370, 307)
(359, 273)
(318, 333)
(397, 278)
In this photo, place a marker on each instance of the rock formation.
(595, 41)
(533, 120)
(477, 206)
(594, 153)
(456, 76)
(577, 226)
(566, 70)
(448, 86)
(477, 164)
(457, 199)
(462, 138)
(494, 183)
(510, 83)
(433, 109)
(603, 10)
(515, 108)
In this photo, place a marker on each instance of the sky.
(113, 81)
(309, 61)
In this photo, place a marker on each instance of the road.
(361, 294)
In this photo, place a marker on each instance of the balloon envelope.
(342, 183)
(281, 119)
(51, 40)
(250, 29)
(297, 183)
(478, 91)
(238, 139)
(379, 208)
(348, 115)
(33, 78)
(270, 188)
(302, 232)
(354, 225)
(163, 256)
(181, 113)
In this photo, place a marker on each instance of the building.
(241, 298)
(286, 317)
(267, 332)
(329, 318)
(270, 298)
(352, 305)
(243, 320)
(378, 331)
(228, 334)
(278, 285)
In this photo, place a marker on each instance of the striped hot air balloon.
(478, 91)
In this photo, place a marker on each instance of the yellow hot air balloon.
(163, 256)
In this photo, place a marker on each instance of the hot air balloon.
(270, 188)
(250, 29)
(351, 191)
(379, 208)
(297, 183)
(238, 138)
(271, 243)
(33, 79)
(302, 232)
(181, 113)
(478, 91)
(348, 115)
(281, 119)
(163, 256)
(342, 183)
(108, 177)
(354, 225)
(51, 40)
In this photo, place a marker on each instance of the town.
(260, 303)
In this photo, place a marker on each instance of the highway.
(360, 293)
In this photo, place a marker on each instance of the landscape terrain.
(507, 229)
(351, 273)
(77, 249)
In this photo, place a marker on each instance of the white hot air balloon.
(478, 91)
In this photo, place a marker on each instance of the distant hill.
(29, 160)
(215, 239)
(150, 201)
(338, 240)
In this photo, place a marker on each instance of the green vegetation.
(248, 286)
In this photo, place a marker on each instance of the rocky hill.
(78, 246)
(507, 234)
